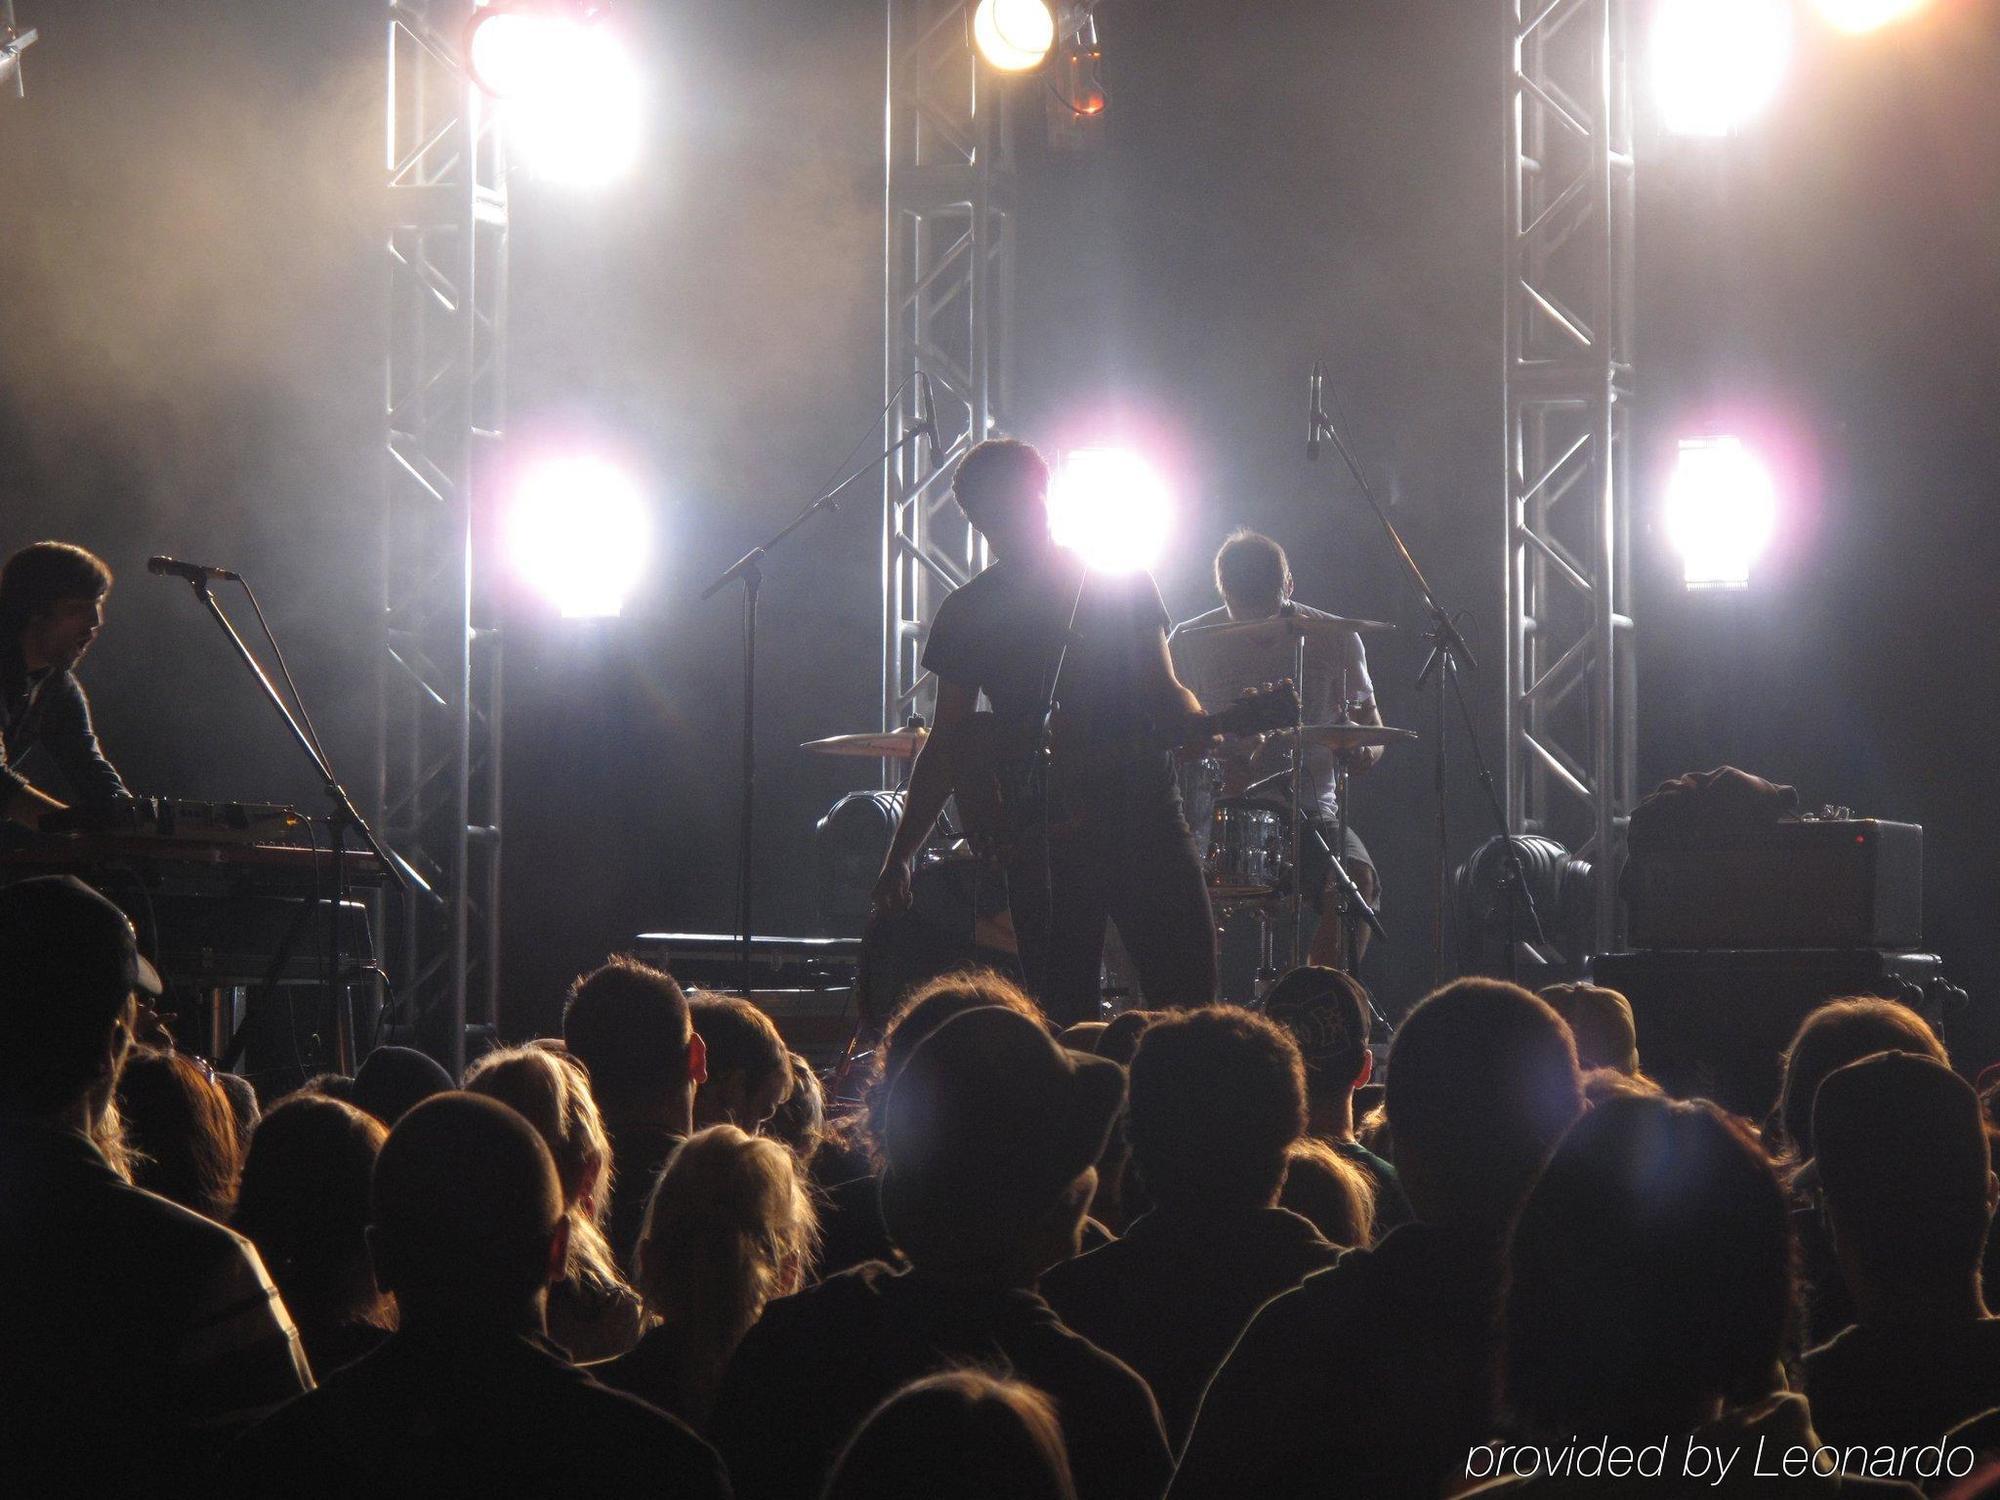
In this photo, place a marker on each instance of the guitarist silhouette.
(1094, 834)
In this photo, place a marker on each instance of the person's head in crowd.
(800, 1122)
(990, 1138)
(926, 1008)
(180, 1130)
(1838, 1033)
(1336, 1195)
(392, 1081)
(730, 1225)
(628, 1024)
(1252, 575)
(1122, 1032)
(1002, 485)
(466, 1219)
(69, 968)
(1217, 1096)
(1327, 1013)
(961, 1435)
(749, 1065)
(1651, 1274)
(243, 1105)
(1083, 1036)
(329, 1086)
(1482, 1083)
(1601, 1021)
(303, 1202)
(1906, 1181)
(1601, 1085)
(52, 602)
(552, 1093)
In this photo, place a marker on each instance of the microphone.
(192, 572)
(926, 425)
(1314, 407)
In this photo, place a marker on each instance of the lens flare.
(1111, 508)
(579, 534)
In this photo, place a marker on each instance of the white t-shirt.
(1218, 668)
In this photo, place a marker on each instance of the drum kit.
(1255, 832)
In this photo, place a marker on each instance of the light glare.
(1866, 15)
(1718, 63)
(578, 533)
(1109, 507)
(1013, 35)
(1721, 510)
(572, 94)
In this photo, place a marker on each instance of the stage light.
(578, 533)
(1867, 15)
(1110, 507)
(1721, 508)
(1013, 35)
(1718, 63)
(572, 94)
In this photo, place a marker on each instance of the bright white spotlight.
(1867, 15)
(1721, 510)
(1013, 35)
(1718, 63)
(572, 94)
(1110, 507)
(578, 532)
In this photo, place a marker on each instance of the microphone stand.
(344, 815)
(749, 570)
(1441, 671)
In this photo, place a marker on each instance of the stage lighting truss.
(13, 42)
(1570, 705)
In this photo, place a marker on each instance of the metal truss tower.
(439, 673)
(948, 291)
(1571, 721)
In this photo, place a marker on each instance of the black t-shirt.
(816, 1364)
(1901, 1385)
(1002, 632)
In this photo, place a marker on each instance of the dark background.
(192, 314)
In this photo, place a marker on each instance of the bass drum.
(849, 845)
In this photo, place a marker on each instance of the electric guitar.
(1002, 791)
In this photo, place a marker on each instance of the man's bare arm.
(931, 780)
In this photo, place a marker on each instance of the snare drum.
(1246, 849)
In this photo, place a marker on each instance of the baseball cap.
(1327, 1012)
(58, 938)
(991, 1115)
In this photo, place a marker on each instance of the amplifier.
(1820, 883)
(1716, 1024)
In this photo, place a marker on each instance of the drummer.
(1255, 581)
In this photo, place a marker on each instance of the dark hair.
(1652, 1272)
(739, 1038)
(999, 468)
(627, 1023)
(464, 1202)
(1328, 1014)
(42, 575)
(1903, 1168)
(304, 1203)
(961, 1435)
(1217, 1095)
(329, 1085)
(1482, 1083)
(1335, 1194)
(1838, 1033)
(928, 1007)
(1249, 565)
(1122, 1032)
(801, 1120)
(182, 1131)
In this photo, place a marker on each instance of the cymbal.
(1328, 629)
(1351, 736)
(897, 744)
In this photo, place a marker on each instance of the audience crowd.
(1218, 1252)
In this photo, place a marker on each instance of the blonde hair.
(1336, 1194)
(729, 1226)
(551, 1091)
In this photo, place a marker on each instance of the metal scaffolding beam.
(439, 654)
(1571, 722)
(948, 289)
